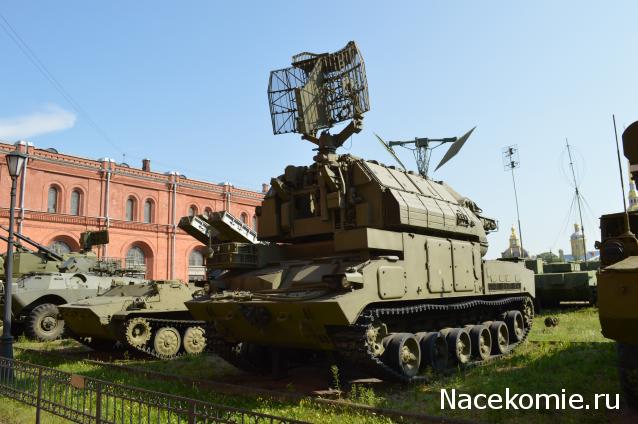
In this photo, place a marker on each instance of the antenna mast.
(423, 147)
(511, 162)
(580, 213)
(622, 181)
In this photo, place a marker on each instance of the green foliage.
(548, 257)
(365, 395)
(336, 384)
(572, 356)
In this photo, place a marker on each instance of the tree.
(548, 257)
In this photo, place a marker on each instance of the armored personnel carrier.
(54, 280)
(558, 282)
(150, 317)
(379, 266)
(618, 280)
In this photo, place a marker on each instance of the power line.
(41, 67)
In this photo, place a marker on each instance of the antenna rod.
(518, 215)
(622, 181)
(580, 213)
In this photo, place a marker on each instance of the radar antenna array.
(422, 149)
(317, 92)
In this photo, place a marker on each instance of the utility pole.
(511, 162)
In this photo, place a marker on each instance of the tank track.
(232, 353)
(353, 346)
(157, 323)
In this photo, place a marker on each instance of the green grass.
(572, 356)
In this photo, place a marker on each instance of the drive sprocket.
(138, 332)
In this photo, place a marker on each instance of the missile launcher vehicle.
(377, 266)
(618, 280)
(150, 318)
(47, 280)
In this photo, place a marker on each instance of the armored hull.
(36, 298)
(564, 282)
(150, 318)
(393, 283)
(618, 280)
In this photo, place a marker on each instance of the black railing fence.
(88, 400)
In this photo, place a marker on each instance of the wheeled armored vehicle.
(37, 294)
(380, 267)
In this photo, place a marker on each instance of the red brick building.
(60, 196)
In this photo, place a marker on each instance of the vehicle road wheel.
(500, 337)
(515, 325)
(403, 354)
(194, 340)
(167, 342)
(481, 342)
(43, 323)
(434, 350)
(628, 370)
(459, 345)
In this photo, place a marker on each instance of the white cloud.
(51, 118)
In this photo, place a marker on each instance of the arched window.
(135, 257)
(196, 258)
(196, 269)
(255, 222)
(244, 217)
(130, 209)
(192, 210)
(148, 211)
(76, 199)
(208, 212)
(60, 247)
(52, 201)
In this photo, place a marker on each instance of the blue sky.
(185, 85)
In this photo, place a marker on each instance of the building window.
(52, 202)
(208, 212)
(76, 198)
(196, 258)
(135, 257)
(196, 268)
(148, 211)
(60, 247)
(255, 222)
(244, 217)
(130, 209)
(192, 210)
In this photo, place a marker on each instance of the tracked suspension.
(165, 338)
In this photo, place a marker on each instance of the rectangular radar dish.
(318, 91)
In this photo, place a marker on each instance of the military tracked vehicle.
(376, 265)
(618, 280)
(558, 282)
(150, 317)
(54, 280)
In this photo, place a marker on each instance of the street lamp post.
(15, 161)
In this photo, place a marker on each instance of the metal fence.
(87, 400)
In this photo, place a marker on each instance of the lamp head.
(15, 161)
